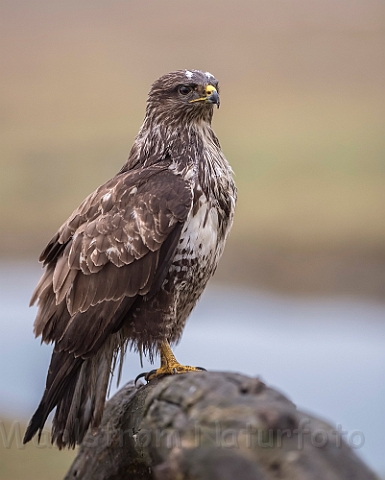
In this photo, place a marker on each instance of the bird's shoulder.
(133, 211)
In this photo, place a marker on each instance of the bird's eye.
(184, 89)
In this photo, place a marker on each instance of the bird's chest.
(199, 247)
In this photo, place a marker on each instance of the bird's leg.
(169, 365)
(167, 357)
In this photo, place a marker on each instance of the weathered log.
(208, 426)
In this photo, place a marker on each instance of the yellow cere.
(209, 90)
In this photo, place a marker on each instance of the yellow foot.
(169, 365)
(171, 369)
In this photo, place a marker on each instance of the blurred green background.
(301, 121)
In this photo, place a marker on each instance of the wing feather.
(116, 246)
(44, 283)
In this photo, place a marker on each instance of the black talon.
(141, 375)
(147, 375)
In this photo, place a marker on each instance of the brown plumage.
(130, 263)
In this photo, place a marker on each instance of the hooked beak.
(211, 96)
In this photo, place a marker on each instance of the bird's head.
(184, 95)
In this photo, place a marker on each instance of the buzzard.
(130, 263)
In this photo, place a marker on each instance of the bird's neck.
(157, 139)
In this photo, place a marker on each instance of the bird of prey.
(130, 263)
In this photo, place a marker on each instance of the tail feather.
(36, 423)
(77, 388)
(62, 378)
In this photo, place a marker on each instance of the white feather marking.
(200, 237)
(113, 250)
(105, 201)
(189, 74)
(209, 75)
(173, 166)
(189, 174)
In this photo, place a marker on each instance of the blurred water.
(326, 355)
